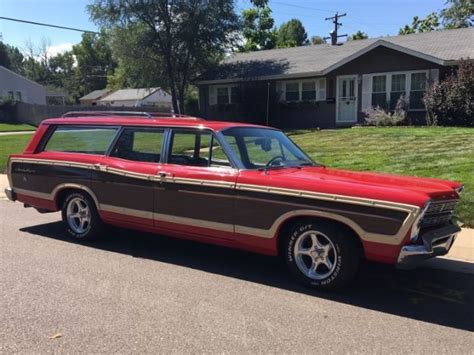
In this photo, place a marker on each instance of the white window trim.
(388, 84)
(300, 89)
(229, 96)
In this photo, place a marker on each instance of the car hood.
(379, 186)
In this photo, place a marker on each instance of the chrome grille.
(438, 213)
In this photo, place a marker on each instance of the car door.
(128, 175)
(196, 188)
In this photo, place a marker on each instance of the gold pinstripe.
(412, 211)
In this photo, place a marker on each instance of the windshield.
(264, 148)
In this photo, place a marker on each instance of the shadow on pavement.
(434, 296)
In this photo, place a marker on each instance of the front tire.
(322, 255)
(80, 216)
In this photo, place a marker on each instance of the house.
(155, 97)
(332, 85)
(19, 88)
(91, 98)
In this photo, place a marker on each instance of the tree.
(187, 36)
(36, 63)
(258, 30)
(451, 102)
(135, 69)
(428, 24)
(459, 14)
(4, 56)
(358, 35)
(16, 59)
(63, 74)
(291, 34)
(317, 40)
(94, 62)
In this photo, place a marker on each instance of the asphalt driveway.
(143, 293)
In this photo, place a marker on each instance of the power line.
(301, 6)
(47, 25)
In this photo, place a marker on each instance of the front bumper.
(11, 195)
(435, 243)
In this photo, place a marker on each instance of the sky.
(375, 17)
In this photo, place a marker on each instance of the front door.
(346, 99)
(196, 188)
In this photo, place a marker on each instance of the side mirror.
(264, 143)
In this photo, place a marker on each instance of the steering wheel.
(274, 159)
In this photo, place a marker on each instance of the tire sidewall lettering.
(289, 253)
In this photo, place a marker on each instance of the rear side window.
(139, 144)
(74, 139)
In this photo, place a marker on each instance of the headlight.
(415, 229)
(459, 189)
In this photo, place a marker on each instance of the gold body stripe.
(396, 239)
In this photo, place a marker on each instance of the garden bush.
(377, 116)
(450, 102)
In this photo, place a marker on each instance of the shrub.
(376, 116)
(450, 102)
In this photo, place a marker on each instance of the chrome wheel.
(315, 255)
(78, 215)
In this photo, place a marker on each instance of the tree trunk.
(174, 100)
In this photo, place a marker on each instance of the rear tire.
(80, 216)
(321, 255)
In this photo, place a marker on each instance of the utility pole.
(337, 24)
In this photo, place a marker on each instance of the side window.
(196, 149)
(75, 139)
(139, 144)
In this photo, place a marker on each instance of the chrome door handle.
(99, 166)
(163, 174)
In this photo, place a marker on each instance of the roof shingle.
(443, 46)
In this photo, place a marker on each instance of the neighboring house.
(19, 88)
(155, 97)
(55, 98)
(331, 86)
(91, 98)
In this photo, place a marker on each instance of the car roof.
(185, 122)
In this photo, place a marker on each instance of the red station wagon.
(233, 184)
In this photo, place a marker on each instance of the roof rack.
(126, 113)
(106, 113)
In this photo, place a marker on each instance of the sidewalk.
(462, 250)
(14, 133)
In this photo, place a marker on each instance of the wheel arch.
(60, 192)
(354, 231)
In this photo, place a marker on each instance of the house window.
(18, 96)
(305, 90)
(388, 87)
(225, 95)
(397, 89)
(309, 91)
(292, 92)
(379, 91)
(417, 89)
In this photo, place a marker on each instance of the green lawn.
(9, 127)
(446, 153)
(11, 145)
